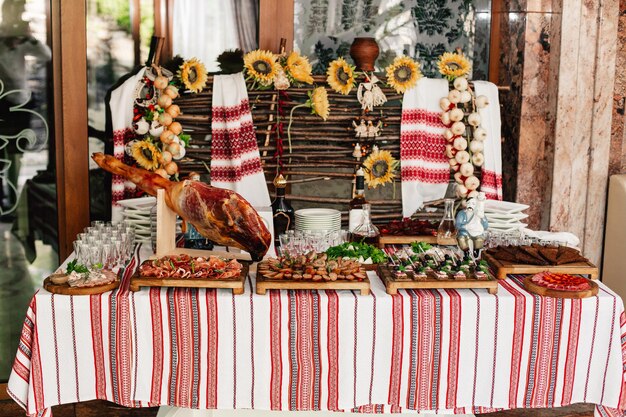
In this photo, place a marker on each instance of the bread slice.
(534, 253)
(569, 255)
(549, 254)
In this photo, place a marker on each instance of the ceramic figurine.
(471, 224)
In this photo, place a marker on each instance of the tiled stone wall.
(617, 159)
(558, 56)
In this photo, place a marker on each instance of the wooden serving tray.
(549, 292)
(263, 284)
(65, 289)
(392, 284)
(236, 284)
(503, 268)
(405, 240)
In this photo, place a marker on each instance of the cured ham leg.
(220, 215)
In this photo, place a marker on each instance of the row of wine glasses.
(105, 244)
(296, 242)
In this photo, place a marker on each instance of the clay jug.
(364, 52)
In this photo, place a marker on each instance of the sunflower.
(193, 75)
(261, 66)
(146, 155)
(380, 168)
(319, 104)
(340, 76)
(299, 68)
(453, 65)
(403, 74)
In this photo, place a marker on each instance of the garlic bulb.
(467, 169)
(462, 157)
(454, 96)
(466, 97)
(476, 146)
(156, 129)
(448, 134)
(461, 190)
(444, 104)
(281, 82)
(458, 177)
(458, 128)
(480, 134)
(455, 115)
(460, 144)
(472, 183)
(453, 162)
(460, 83)
(141, 126)
(474, 119)
(472, 194)
(478, 159)
(445, 117)
(482, 102)
(449, 153)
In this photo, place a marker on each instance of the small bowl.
(59, 279)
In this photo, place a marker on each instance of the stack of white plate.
(137, 212)
(505, 216)
(318, 219)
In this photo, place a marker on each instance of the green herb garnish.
(74, 266)
(418, 247)
(354, 250)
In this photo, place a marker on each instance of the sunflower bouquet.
(159, 140)
(266, 70)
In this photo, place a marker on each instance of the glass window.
(28, 220)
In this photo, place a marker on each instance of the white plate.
(140, 203)
(505, 218)
(317, 212)
(507, 228)
(320, 222)
(496, 206)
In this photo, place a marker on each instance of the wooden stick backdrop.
(319, 148)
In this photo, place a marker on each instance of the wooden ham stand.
(166, 245)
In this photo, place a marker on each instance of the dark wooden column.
(69, 58)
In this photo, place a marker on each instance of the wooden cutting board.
(549, 292)
(503, 268)
(405, 240)
(236, 284)
(393, 284)
(263, 284)
(65, 289)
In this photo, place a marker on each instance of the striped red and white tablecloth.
(449, 351)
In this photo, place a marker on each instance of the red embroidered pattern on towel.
(236, 173)
(423, 152)
(119, 191)
(233, 137)
(491, 185)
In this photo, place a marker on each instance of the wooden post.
(69, 58)
(166, 227)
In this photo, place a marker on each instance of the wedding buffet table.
(445, 351)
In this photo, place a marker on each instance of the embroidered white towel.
(235, 159)
(121, 104)
(491, 183)
(425, 168)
